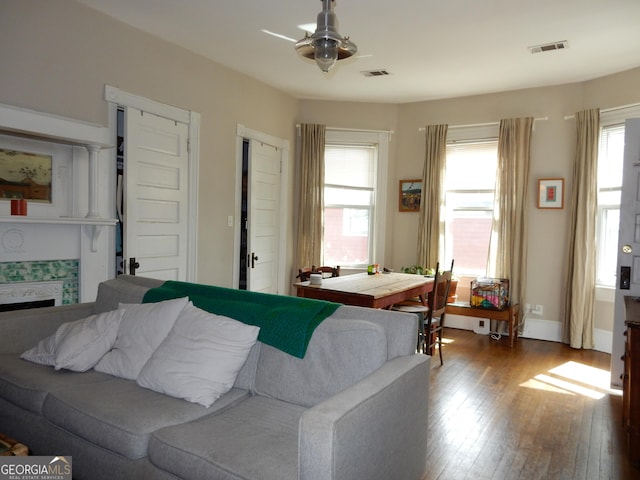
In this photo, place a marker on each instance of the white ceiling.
(431, 48)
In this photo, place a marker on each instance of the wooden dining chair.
(304, 273)
(434, 323)
(415, 305)
(328, 272)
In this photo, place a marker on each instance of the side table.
(10, 447)
(511, 315)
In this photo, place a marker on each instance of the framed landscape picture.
(410, 193)
(551, 193)
(25, 175)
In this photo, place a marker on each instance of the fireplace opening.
(10, 307)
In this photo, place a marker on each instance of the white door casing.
(279, 267)
(156, 203)
(263, 217)
(166, 115)
(628, 244)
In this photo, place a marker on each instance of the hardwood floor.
(501, 413)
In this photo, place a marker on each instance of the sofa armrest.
(376, 429)
(22, 329)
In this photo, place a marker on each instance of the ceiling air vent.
(375, 73)
(548, 47)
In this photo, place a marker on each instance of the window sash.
(610, 161)
(607, 224)
(349, 192)
(469, 203)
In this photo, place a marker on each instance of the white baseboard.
(534, 328)
(542, 330)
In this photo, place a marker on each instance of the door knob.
(133, 266)
(254, 259)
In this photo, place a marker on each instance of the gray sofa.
(355, 407)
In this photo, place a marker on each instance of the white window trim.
(355, 137)
(610, 117)
(614, 116)
(487, 132)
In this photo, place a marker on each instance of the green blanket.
(286, 323)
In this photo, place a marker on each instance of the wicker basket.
(490, 293)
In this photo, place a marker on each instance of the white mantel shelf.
(58, 220)
(94, 225)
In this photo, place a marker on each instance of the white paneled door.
(628, 281)
(263, 217)
(156, 196)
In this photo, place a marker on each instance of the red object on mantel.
(18, 206)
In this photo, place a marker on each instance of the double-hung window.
(354, 195)
(469, 199)
(610, 168)
(610, 158)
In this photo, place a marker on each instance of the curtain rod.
(487, 124)
(390, 132)
(607, 110)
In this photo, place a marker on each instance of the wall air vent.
(548, 47)
(375, 73)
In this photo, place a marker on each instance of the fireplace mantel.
(94, 225)
(72, 226)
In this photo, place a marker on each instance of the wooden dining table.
(382, 290)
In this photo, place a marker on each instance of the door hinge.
(188, 145)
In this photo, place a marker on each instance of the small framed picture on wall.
(410, 195)
(551, 193)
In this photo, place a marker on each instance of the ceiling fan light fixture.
(325, 52)
(326, 45)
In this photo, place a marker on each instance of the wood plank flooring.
(531, 412)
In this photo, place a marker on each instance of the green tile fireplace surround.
(42, 271)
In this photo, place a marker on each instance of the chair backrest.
(328, 271)
(439, 295)
(304, 273)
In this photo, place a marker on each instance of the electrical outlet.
(537, 310)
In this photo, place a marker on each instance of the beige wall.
(58, 55)
(551, 156)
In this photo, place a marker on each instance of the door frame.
(119, 98)
(243, 133)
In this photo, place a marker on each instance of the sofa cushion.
(258, 438)
(141, 330)
(120, 416)
(27, 384)
(341, 353)
(200, 358)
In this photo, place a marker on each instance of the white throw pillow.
(81, 344)
(77, 345)
(200, 358)
(43, 353)
(141, 330)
